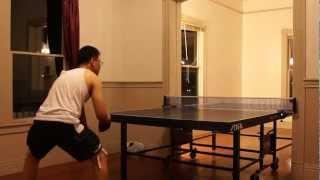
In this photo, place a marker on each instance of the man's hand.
(104, 125)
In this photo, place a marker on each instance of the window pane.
(189, 55)
(28, 25)
(189, 81)
(32, 79)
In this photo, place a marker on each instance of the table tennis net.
(231, 103)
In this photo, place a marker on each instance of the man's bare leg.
(30, 169)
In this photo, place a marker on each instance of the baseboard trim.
(14, 129)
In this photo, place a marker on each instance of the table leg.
(236, 155)
(124, 175)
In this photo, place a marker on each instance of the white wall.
(222, 44)
(129, 35)
(262, 47)
(244, 49)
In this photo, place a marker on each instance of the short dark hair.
(86, 53)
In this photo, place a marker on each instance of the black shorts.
(44, 135)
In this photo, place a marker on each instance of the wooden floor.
(140, 168)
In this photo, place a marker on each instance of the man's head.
(90, 57)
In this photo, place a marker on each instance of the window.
(189, 47)
(189, 80)
(190, 72)
(290, 66)
(34, 67)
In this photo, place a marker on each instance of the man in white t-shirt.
(57, 122)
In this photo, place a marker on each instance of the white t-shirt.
(65, 99)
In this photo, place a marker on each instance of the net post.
(293, 101)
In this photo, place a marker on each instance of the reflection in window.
(189, 83)
(290, 66)
(35, 67)
(189, 47)
(32, 79)
(28, 20)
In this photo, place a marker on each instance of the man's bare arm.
(99, 104)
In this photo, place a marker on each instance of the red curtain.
(71, 38)
(71, 32)
(54, 24)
